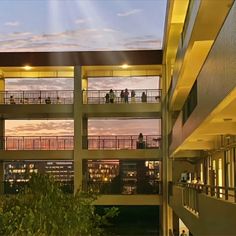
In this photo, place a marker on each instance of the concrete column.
(1, 177)
(2, 134)
(78, 130)
(2, 88)
(166, 211)
(85, 132)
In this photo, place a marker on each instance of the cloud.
(128, 13)
(90, 39)
(82, 20)
(40, 84)
(12, 23)
(40, 128)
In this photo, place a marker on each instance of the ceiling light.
(124, 66)
(27, 67)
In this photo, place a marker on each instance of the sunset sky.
(81, 25)
(96, 127)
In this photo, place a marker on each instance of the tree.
(43, 209)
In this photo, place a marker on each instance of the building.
(196, 104)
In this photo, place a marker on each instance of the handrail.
(138, 96)
(37, 143)
(121, 142)
(37, 97)
(89, 142)
(220, 192)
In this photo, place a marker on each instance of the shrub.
(43, 209)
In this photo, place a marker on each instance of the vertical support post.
(2, 134)
(85, 132)
(2, 131)
(1, 177)
(166, 211)
(78, 104)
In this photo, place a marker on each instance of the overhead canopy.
(90, 58)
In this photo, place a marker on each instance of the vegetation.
(43, 209)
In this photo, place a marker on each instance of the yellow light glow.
(125, 66)
(27, 67)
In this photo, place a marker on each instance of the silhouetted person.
(144, 97)
(140, 141)
(111, 96)
(48, 100)
(126, 95)
(107, 97)
(12, 101)
(132, 96)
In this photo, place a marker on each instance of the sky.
(81, 25)
(95, 126)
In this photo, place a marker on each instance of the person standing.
(107, 97)
(144, 97)
(132, 96)
(140, 141)
(126, 95)
(111, 96)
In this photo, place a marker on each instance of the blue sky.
(81, 25)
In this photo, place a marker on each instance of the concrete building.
(196, 104)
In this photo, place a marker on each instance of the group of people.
(124, 96)
(26, 100)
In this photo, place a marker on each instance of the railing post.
(226, 193)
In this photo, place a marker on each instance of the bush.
(43, 209)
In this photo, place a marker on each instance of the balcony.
(37, 143)
(118, 142)
(103, 96)
(22, 104)
(206, 210)
(37, 97)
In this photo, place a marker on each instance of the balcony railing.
(89, 142)
(103, 96)
(142, 187)
(37, 97)
(121, 142)
(37, 143)
(191, 191)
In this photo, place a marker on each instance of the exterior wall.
(28, 111)
(129, 200)
(152, 154)
(216, 79)
(179, 167)
(36, 155)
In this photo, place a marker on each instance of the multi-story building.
(196, 150)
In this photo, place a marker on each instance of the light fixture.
(27, 67)
(124, 66)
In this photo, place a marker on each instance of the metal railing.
(142, 187)
(37, 143)
(191, 191)
(141, 96)
(37, 97)
(121, 142)
(89, 142)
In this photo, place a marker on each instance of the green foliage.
(43, 209)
